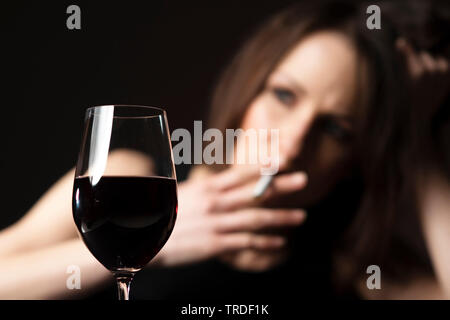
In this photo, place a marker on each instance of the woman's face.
(310, 98)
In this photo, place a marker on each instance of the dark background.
(157, 53)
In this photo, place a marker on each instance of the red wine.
(125, 221)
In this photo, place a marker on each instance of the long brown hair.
(381, 149)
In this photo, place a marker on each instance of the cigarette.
(262, 185)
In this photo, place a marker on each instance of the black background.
(158, 53)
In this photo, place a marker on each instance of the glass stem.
(123, 284)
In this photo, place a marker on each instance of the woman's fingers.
(239, 241)
(233, 177)
(421, 62)
(240, 174)
(257, 219)
(428, 62)
(442, 64)
(243, 196)
(433, 64)
(286, 183)
(413, 60)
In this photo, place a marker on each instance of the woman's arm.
(434, 192)
(36, 251)
(43, 273)
(48, 222)
(435, 217)
(419, 288)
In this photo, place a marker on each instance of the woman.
(381, 145)
(331, 87)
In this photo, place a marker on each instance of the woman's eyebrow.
(284, 77)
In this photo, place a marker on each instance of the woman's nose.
(293, 132)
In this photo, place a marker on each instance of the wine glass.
(125, 192)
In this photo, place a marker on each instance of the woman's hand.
(429, 77)
(218, 216)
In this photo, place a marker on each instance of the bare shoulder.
(434, 191)
(130, 162)
(419, 287)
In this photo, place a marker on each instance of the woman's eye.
(285, 96)
(335, 130)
